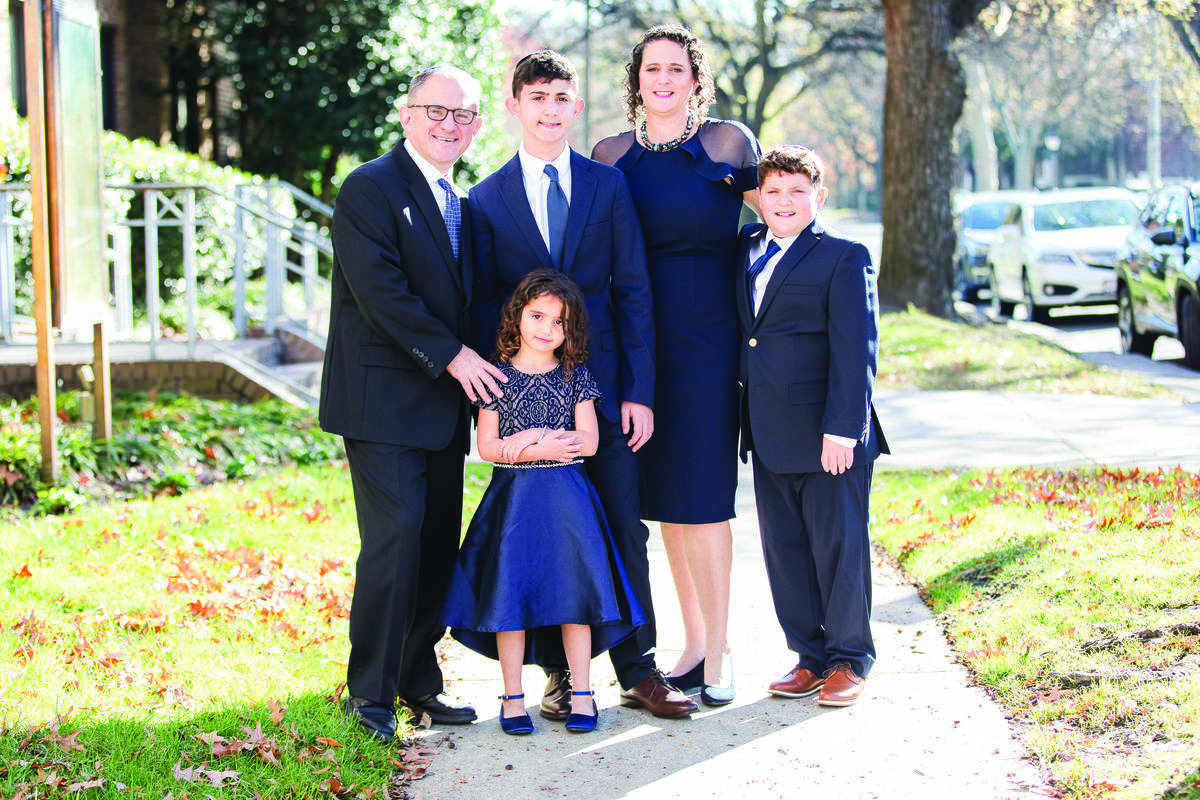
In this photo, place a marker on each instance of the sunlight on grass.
(1075, 598)
(155, 643)
(920, 351)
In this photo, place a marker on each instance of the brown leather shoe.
(800, 682)
(842, 687)
(556, 701)
(658, 697)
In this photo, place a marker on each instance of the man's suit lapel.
(516, 200)
(422, 195)
(583, 191)
(804, 242)
(466, 255)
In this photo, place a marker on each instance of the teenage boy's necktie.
(556, 216)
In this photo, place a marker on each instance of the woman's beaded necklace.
(661, 147)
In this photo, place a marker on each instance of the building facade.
(151, 85)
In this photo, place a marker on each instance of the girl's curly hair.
(573, 351)
(705, 92)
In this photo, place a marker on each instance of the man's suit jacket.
(604, 254)
(808, 357)
(399, 311)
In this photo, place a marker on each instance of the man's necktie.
(556, 217)
(759, 264)
(452, 215)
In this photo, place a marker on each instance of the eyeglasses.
(463, 116)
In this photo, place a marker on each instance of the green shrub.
(166, 443)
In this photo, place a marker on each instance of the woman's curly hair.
(704, 93)
(573, 351)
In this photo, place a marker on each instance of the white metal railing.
(10, 228)
(268, 229)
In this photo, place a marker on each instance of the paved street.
(1091, 333)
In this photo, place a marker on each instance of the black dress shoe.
(689, 681)
(556, 702)
(376, 718)
(439, 712)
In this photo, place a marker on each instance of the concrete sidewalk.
(922, 731)
(1003, 429)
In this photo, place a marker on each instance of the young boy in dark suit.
(551, 207)
(810, 336)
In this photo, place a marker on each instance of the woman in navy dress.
(538, 572)
(689, 176)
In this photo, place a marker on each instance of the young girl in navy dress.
(538, 573)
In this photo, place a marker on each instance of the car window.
(1152, 216)
(1192, 214)
(1014, 216)
(1174, 218)
(985, 216)
(1100, 212)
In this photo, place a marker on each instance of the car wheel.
(1036, 313)
(1131, 340)
(1189, 331)
(1000, 308)
(970, 294)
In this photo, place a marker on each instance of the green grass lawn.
(190, 644)
(1074, 597)
(918, 351)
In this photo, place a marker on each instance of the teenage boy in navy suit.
(551, 207)
(810, 336)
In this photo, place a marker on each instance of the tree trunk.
(984, 159)
(1023, 161)
(925, 94)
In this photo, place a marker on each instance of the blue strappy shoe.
(514, 726)
(583, 723)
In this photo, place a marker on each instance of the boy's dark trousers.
(815, 542)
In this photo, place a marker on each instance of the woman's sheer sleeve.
(609, 150)
(732, 143)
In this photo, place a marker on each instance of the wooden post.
(102, 425)
(39, 205)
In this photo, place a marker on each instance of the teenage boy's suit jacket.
(808, 357)
(604, 254)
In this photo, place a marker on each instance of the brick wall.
(210, 379)
(142, 76)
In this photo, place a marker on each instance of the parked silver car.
(1058, 249)
(1158, 274)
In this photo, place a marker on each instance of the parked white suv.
(1058, 249)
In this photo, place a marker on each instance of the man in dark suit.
(551, 207)
(396, 384)
(810, 335)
